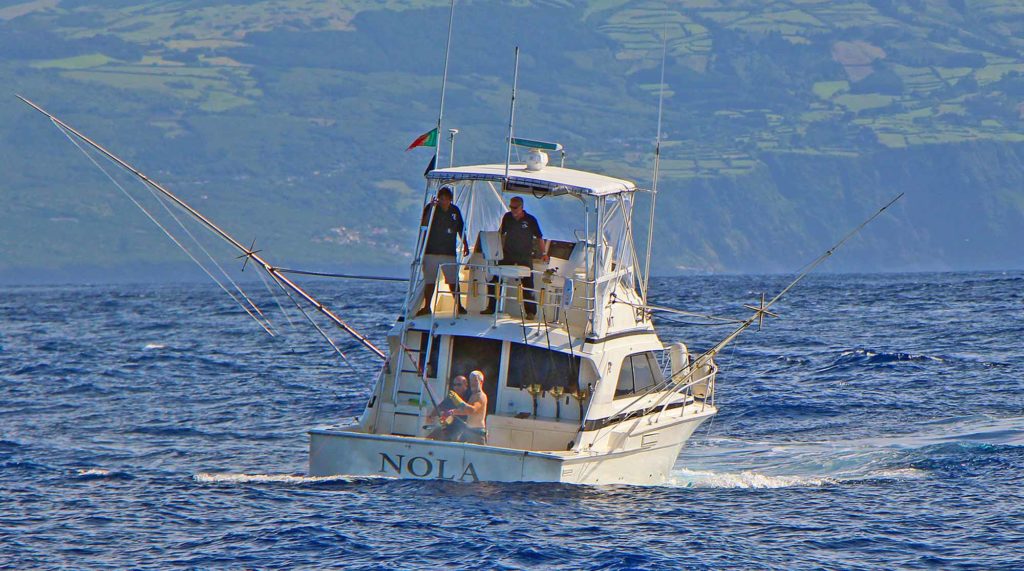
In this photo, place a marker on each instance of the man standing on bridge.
(446, 225)
(520, 234)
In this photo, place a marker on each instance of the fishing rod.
(246, 251)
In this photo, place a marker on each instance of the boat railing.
(559, 300)
(696, 383)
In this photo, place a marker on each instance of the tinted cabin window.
(532, 365)
(638, 373)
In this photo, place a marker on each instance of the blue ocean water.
(878, 423)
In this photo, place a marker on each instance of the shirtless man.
(475, 431)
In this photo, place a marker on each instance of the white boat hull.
(343, 451)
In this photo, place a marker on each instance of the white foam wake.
(746, 479)
(897, 474)
(205, 478)
(734, 463)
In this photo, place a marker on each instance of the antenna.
(451, 148)
(444, 82)
(657, 162)
(512, 115)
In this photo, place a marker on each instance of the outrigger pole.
(760, 312)
(248, 252)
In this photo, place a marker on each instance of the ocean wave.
(855, 358)
(33, 369)
(168, 431)
(882, 357)
(81, 388)
(100, 474)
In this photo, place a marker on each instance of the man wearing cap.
(475, 431)
(446, 226)
(520, 234)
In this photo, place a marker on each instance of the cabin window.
(537, 365)
(638, 373)
(474, 353)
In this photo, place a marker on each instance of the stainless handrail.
(588, 305)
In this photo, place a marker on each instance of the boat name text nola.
(422, 467)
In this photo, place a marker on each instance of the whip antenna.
(512, 115)
(444, 84)
(657, 163)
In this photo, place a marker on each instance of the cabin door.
(471, 353)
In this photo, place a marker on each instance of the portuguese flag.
(428, 139)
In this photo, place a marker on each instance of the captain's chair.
(490, 246)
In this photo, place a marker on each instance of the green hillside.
(286, 120)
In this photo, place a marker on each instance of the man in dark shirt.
(445, 416)
(446, 226)
(520, 233)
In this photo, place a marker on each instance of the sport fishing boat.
(582, 390)
(579, 386)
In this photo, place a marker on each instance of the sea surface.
(877, 423)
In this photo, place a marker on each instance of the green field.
(293, 115)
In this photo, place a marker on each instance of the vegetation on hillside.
(287, 119)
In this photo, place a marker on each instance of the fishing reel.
(446, 418)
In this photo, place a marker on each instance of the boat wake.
(732, 463)
(683, 478)
(291, 479)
